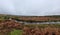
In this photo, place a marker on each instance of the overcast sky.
(30, 7)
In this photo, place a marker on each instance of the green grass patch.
(16, 32)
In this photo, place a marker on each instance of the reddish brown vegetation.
(39, 18)
(41, 31)
(8, 25)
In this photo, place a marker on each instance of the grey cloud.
(30, 7)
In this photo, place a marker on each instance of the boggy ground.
(42, 29)
(9, 25)
(36, 30)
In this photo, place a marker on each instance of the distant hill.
(31, 18)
